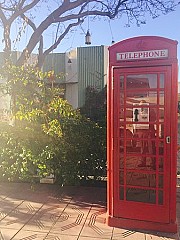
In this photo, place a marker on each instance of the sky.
(102, 31)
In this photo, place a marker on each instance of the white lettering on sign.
(149, 54)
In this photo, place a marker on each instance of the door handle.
(168, 139)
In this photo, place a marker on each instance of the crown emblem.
(141, 45)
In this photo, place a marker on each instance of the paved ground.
(51, 212)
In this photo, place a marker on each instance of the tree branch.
(81, 15)
(54, 46)
(66, 6)
(2, 17)
(33, 26)
(18, 11)
(62, 36)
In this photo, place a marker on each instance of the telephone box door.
(142, 143)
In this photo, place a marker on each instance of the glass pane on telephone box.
(140, 133)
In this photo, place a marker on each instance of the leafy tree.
(95, 109)
(95, 105)
(63, 16)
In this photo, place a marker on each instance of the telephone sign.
(142, 55)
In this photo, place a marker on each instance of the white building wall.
(5, 101)
(71, 79)
(71, 66)
(71, 94)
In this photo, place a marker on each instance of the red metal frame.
(124, 212)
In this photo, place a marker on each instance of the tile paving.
(51, 212)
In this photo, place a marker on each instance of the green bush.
(48, 136)
(23, 152)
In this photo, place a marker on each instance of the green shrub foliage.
(47, 136)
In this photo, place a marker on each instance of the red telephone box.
(142, 134)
